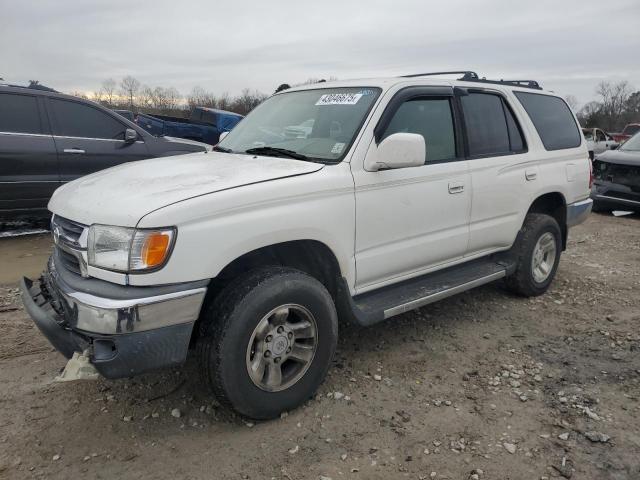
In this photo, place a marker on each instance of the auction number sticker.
(339, 99)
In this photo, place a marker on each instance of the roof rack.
(470, 76)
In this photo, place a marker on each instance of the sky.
(73, 45)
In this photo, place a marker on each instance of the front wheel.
(268, 341)
(537, 250)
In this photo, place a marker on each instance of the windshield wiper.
(218, 148)
(277, 152)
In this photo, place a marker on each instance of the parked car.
(48, 139)
(617, 178)
(629, 130)
(128, 114)
(406, 191)
(598, 141)
(204, 124)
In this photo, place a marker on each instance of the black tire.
(228, 327)
(522, 281)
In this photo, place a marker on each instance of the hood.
(122, 195)
(186, 141)
(620, 156)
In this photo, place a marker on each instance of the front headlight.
(127, 249)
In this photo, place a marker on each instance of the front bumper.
(615, 195)
(578, 212)
(130, 331)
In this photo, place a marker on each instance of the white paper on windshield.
(337, 148)
(339, 99)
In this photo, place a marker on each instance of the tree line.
(130, 94)
(617, 104)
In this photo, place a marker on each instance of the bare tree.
(108, 90)
(247, 101)
(130, 87)
(613, 100)
(572, 101)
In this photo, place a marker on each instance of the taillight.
(590, 172)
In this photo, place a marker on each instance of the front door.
(411, 220)
(88, 139)
(28, 160)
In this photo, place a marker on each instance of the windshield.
(318, 124)
(632, 145)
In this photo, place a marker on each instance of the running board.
(378, 305)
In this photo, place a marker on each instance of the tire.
(527, 280)
(234, 338)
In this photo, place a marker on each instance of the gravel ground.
(484, 385)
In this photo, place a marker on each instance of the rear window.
(491, 127)
(553, 120)
(19, 114)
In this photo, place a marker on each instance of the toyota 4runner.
(396, 193)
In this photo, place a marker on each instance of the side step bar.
(434, 297)
(376, 306)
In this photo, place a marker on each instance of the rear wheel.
(268, 341)
(538, 249)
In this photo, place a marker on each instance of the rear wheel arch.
(553, 204)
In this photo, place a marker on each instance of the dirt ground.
(483, 385)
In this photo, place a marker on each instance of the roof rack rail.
(466, 74)
(470, 76)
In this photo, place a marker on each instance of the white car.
(406, 190)
(598, 141)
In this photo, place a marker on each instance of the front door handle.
(456, 187)
(73, 150)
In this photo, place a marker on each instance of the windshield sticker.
(337, 148)
(366, 92)
(339, 99)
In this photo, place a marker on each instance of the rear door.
(89, 139)
(28, 160)
(502, 171)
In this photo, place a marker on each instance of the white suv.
(400, 192)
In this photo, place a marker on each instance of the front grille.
(69, 261)
(67, 237)
(68, 230)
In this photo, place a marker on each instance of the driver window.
(74, 119)
(431, 118)
(600, 136)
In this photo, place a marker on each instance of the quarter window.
(74, 119)
(19, 114)
(491, 127)
(431, 118)
(553, 120)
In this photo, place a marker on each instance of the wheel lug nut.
(280, 329)
(267, 354)
(276, 360)
(290, 335)
(268, 339)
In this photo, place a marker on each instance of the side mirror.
(130, 135)
(399, 150)
(222, 135)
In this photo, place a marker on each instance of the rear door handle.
(530, 175)
(456, 187)
(73, 150)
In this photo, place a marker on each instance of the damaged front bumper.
(125, 330)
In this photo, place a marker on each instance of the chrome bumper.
(96, 314)
(578, 212)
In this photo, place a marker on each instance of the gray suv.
(48, 138)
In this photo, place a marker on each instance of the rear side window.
(78, 120)
(490, 125)
(19, 114)
(553, 120)
(431, 118)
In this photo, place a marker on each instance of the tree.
(130, 87)
(572, 101)
(108, 90)
(613, 100)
